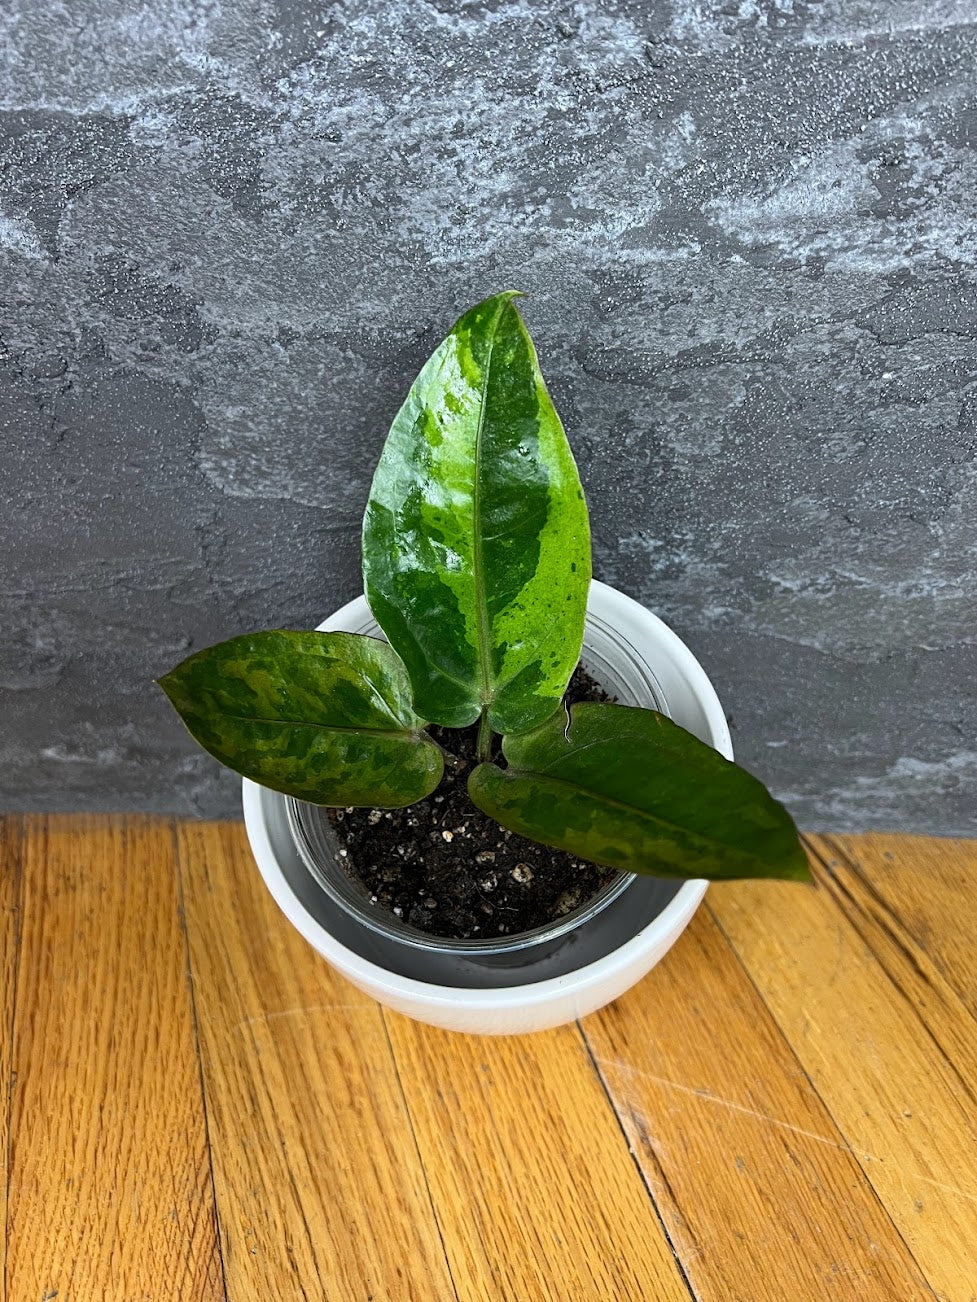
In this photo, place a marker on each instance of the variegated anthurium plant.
(476, 561)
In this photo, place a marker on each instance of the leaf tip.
(509, 296)
(798, 868)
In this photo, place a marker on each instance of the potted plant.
(430, 807)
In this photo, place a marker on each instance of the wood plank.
(756, 1185)
(929, 887)
(533, 1185)
(872, 1022)
(945, 1015)
(319, 1187)
(10, 880)
(110, 1189)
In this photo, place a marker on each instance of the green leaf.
(324, 717)
(629, 788)
(476, 544)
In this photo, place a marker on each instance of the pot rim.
(670, 921)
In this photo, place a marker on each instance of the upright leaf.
(629, 788)
(324, 717)
(476, 544)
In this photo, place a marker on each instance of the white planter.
(634, 653)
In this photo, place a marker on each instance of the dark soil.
(449, 870)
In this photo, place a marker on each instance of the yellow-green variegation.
(476, 543)
(630, 789)
(324, 717)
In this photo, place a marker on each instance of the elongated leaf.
(476, 544)
(325, 717)
(629, 788)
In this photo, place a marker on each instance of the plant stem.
(484, 736)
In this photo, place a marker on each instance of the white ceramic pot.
(557, 975)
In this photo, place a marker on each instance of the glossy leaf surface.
(629, 788)
(476, 543)
(324, 717)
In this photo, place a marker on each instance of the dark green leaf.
(476, 545)
(629, 788)
(324, 717)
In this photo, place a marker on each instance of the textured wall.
(230, 234)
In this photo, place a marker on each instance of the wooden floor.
(785, 1109)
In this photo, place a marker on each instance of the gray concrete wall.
(230, 234)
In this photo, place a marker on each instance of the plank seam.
(836, 888)
(17, 826)
(417, 1150)
(201, 1076)
(844, 1144)
(901, 935)
(595, 1064)
(309, 1238)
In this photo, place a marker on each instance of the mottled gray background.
(230, 234)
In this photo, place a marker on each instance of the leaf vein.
(402, 734)
(616, 803)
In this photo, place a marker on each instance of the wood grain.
(756, 1184)
(534, 1189)
(796, 1081)
(110, 1191)
(320, 1190)
(855, 886)
(10, 880)
(924, 888)
(881, 1036)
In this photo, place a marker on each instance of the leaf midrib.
(623, 805)
(478, 560)
(400, 733)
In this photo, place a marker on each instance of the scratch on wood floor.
(706, 1097)
(948, 1188)
(304, 1008)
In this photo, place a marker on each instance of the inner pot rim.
(344, 891)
